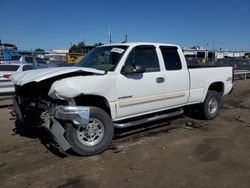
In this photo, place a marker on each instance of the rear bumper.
(7, 94)
(6, 87)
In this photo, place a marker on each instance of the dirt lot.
(181, 152)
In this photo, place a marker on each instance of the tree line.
(80, 47)
(75, 48)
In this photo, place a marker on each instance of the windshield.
(103, 58)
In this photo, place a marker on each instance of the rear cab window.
(27, 67)
(29, 59)
(146, 56)
(40, 61)
(171, 58)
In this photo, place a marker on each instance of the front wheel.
(92, 138)
(210, 108)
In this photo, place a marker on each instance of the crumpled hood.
(38, 75)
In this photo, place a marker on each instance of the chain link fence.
(61, 59)
(12, 61)
(239, 63)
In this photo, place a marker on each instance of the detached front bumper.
(17, 109)
(77, 114)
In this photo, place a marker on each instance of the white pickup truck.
(36, 62)
(116, 86)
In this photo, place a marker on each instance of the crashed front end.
(35, 108)
(54, 119)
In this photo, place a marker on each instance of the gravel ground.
(180, 152)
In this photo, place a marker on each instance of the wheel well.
(217, 86)
(93, 100)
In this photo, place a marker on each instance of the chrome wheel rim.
(212, 105)
(92, 133)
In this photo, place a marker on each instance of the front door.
(139, 93)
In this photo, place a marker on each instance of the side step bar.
(147, 120)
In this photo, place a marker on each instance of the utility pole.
(110, 38)
(126, 38)
(221, 43)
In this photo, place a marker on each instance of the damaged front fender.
(64, 89)
(71, 87)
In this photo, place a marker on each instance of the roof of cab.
(141, 43)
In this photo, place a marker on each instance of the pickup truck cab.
(116, 86)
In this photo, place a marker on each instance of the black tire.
(80, 144)
(210, 108)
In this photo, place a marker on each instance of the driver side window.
(145, 56)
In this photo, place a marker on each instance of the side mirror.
(139, 69)
(129, 69)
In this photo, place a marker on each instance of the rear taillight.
(7, 75)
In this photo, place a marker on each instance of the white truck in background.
(6, 71)
(36, 62)
(116, 86)
(18, 64)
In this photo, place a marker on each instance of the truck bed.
(202, 77)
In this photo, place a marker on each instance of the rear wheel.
(212, 105)
(92, 138)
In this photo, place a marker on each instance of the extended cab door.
(176, 76)
(139, 93)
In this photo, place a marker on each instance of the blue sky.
(52, 24)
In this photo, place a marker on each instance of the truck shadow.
(4, 106)
(146, 129)
(124, 135)
(41, 134)
(193, 112)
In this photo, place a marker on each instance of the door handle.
(159, 80)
